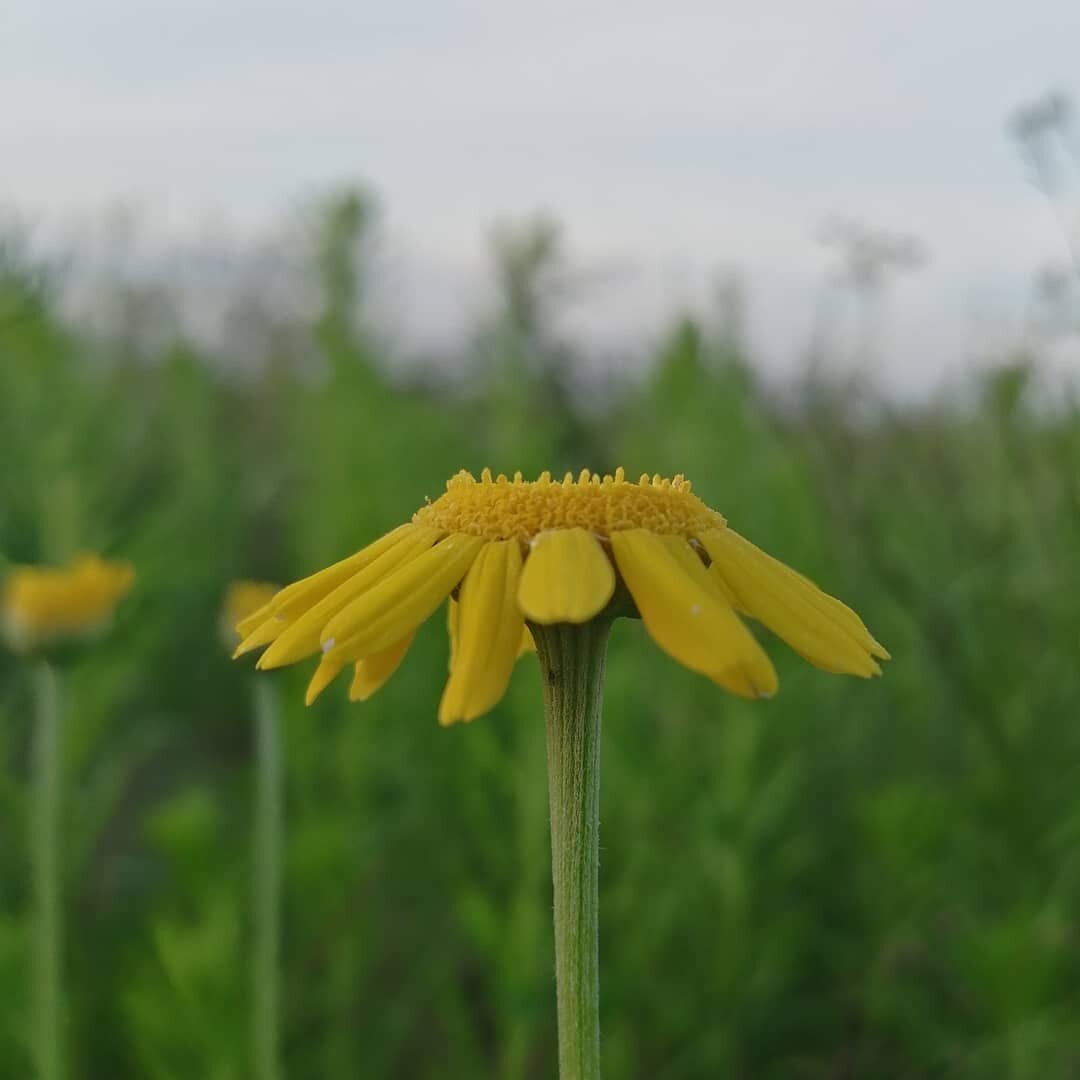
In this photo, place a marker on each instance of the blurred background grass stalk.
(47, 1000)
(269, 814)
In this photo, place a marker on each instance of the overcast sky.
(670, 138)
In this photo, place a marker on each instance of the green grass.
(850, 880)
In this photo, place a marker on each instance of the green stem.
(572, 668)
(48, 1050)
(269, 813)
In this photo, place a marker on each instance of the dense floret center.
(502, 509)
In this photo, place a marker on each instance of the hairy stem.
(572, 668)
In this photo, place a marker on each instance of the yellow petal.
(301, 638)
(453, 621)
(302, 594)
(327, 671)
(687, 615)
(452, 614)
(252, 622)
(399, 603)
(817, 626)
(263, 634)
(567, 578)
(489, 632)
(371, 672)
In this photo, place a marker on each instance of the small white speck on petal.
(328, 644)
(695, 609)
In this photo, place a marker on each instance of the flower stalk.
(572, 672)
(47, 1016)
(269, 814)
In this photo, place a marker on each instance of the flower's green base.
(572, 669)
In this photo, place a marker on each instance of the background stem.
(48, 1050)
(572, 668)
(269, 813)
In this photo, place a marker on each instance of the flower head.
(513, 552)
(43, 606)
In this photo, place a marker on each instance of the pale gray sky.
(672, 137)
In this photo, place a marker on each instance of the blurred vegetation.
(851, 880)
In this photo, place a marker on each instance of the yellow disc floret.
(502, 509)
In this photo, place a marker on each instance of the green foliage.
(853, 879)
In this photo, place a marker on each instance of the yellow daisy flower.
(514, 552)
(43, 606)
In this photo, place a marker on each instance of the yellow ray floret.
(818, 627)
(687, 616)
(301, 636)
(526, 646)
(250, 623)
(301, 595)
(327, 671)
(246, 603)
(370, 673)
(489, 629)
(513, 554)
(401, 601)
(568, 578)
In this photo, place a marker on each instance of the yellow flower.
(543, 552)
(242, 599)
(43, 605)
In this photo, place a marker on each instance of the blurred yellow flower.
(548, 552)
(43, 605)
(243, 599)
